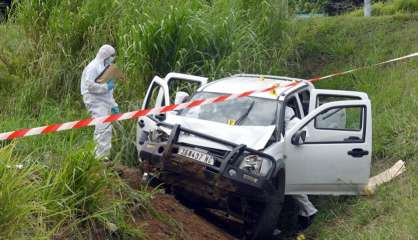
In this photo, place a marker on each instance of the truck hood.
(255, 137)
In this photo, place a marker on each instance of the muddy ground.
(179, 222)
(173, 220)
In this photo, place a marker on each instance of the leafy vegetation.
(328, 7)
(325, 45)
(62, 190)
(73, 198)
(353, 7)
(390, 7)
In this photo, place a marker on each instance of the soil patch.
(173, 220)
(132, 176)
(178, 222)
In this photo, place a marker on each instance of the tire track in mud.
(186, 225)
(175, 221)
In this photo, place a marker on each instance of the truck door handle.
(357, 152)
(352, 139)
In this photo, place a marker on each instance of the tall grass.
(390, 7)
(152, 37)
(73, 198)
(325, 45)
(211, 38)
(63, 191)
(18, 189)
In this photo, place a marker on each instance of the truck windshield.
(249, 111)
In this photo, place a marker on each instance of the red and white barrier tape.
(315, 79)
(124, 116)
(136, 114)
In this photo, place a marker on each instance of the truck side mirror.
(181, 97)
(299, 137)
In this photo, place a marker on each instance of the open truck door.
(157, 94)
(329, 150)
(162, 92)
(174, 88)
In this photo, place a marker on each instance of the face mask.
(109, 60)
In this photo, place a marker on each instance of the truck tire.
(288, 221)
(267, 221)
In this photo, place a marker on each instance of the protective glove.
(109, 60)
(115, 110)
(110, 84)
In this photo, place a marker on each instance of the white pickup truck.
(242, 157)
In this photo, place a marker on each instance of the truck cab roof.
(240, 83)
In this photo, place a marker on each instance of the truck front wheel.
(268, 219)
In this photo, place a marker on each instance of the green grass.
(43, 50)
(63, 190)
(75, 196)
(326, 45)
(390, 7)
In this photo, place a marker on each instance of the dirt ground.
(179, 222)
(173, 221)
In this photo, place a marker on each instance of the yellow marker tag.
(273, 92)
(300, 236)
(261, 78)
(368, 191)
(231, 122)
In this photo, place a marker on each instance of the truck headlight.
(143, 137)
(158, 135)
(256, 165)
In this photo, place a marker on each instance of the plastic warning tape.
(129, 115)
(145, 112)
(315, 79)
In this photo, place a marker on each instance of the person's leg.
(307, 210)
(102, 132)
(103, 138)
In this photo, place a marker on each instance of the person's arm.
(113, 102)
(92, 86)
(115, 108)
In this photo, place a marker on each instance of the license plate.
(196, 155)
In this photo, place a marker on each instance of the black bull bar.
(227, 176)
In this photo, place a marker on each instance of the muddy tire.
(267, 221)
(288, 221)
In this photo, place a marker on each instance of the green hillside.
(45, 45)
(326, 45)
(390, 7)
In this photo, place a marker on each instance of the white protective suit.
(98, 99)
(306, 208)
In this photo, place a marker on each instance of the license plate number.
(196, 155)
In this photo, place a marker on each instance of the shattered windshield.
(249, 111)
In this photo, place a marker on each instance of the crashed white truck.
(240, 157)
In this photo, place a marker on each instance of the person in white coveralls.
(98, 98)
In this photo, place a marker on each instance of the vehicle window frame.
(280, 124)
(338, 129)
(334, 95)
(297, 112)
(364, 126)
(149, 99)
(290, 96)
(299, 94)
(173, 84)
